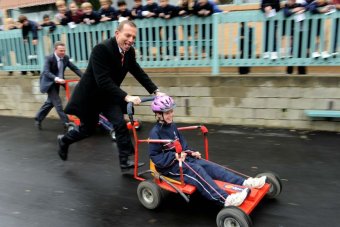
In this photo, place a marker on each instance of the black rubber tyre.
(232, 216)
(149, 194)
(113, 135)
(275, 184)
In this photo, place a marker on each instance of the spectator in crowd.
(185, 8)
(29, 26)
(150, 10)
(62, 9)
(293, 8)
(270, 8)
(51, 79)
(89, 17)
(336, 31)
(319, 7)
(167, 11)
(123, 11)
(48, 23)
(215, 6)
(136, 11)
(203, 8)
(73, 15)
(106, 11)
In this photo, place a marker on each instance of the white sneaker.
(266, 55)
(273, 56)
(325, 54)
(315, 55)
(255, 182)
(237, 198)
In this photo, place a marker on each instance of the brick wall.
(269, 101)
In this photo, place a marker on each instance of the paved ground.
(38, 189)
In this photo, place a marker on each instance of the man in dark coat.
(99, 91)
(51, 79)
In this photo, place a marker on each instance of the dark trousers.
(115, 115)
(168, 31)
(53, 100)
(209, 172)
(335, 43)
(267, 48)
(301, 69)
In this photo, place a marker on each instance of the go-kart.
(150, 194)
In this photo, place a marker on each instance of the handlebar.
(130, 106)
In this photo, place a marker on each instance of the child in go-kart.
(166, 160)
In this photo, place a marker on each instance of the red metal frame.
(68, 96)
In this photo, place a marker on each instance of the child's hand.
(196, 154)
(181, 157)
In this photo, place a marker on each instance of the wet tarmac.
(37, 189)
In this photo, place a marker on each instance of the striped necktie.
(122, 57)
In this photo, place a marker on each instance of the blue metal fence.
(225, 39)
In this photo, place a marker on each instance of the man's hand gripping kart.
(149, 190)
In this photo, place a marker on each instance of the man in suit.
(51, 79)
(99, 91)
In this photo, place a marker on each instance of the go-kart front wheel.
(232, 216)
(149, 194)
(275, 184)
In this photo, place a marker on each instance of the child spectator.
(62, 9)
(319, 7)
(270, 8)
(29, 26)
(185, 8)
(89, 17)
(194, 168)
(136, 12)
(73, 15)
(203, 8)
(122, 10)
(167, 11)
(106, 11)
(150, 10)
(48, 23)
(292, 8)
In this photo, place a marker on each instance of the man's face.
(60, 51)
(126, 37)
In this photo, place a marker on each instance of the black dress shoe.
(130, 164)
(63, 148)
(37, 124)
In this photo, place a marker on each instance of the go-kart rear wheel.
(275, 184)
(232, 216)
(149, 194)
(113, 135)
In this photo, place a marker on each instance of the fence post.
(214, 59)
(40, 50)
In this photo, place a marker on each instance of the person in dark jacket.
(50, 80)
(292, 8)
(167, 160)
(136, 11)
(123, 11)
(98, 91)
(48, 23)
(270, 7)
(203, 8)
(89, 15)
(73, 15)
(167, 11)
(106, 11)
(27, 27)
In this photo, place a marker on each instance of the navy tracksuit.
(163, 155)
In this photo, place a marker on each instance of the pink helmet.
(162, 104)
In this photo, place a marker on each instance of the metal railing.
(223, 40)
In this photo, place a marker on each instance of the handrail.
(222, 40)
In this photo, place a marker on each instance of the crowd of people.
(73, 14)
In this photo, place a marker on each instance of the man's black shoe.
(37, 124)
(63, 148)
(130, 164)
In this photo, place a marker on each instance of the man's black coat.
(99, 87)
